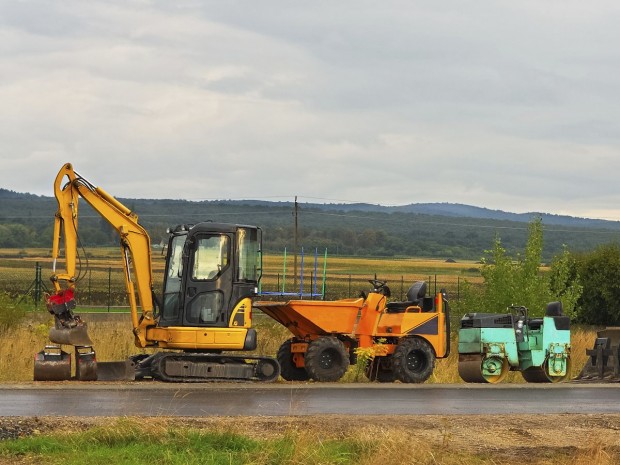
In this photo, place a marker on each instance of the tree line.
(26, 221)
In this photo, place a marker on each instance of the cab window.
(211, 257)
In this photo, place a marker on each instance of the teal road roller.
(492, 344)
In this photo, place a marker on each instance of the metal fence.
(339, 286)
(103, 288)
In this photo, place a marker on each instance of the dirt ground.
(526, 438)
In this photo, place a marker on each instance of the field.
(467, 440)
(101, 276)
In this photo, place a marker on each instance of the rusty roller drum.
(541, 374)
(471, 368)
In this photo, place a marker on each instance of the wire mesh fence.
(340, 286)
(103, 288)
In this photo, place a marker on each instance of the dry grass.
(346, 277)
(113, 341)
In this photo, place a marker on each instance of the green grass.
(128, 442)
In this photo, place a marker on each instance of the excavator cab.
(210, 267)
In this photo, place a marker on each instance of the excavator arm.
(135, 249)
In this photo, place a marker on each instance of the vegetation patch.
(317, 440)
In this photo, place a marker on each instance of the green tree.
(565, 281)
(509, 281)
(600, 275)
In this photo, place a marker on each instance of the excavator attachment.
(52, 364)
(75, 336)
(69, 329)
(603, 366)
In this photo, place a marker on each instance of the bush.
(11, 312)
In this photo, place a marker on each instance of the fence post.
(402, 286)
(37, 286)
(109, 287)
(349, 286)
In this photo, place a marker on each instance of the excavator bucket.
(603, 366)
(69, 329)
(75, 336)
(52, 364)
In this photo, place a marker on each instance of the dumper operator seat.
(415, 298)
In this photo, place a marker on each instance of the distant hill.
(8, 194)
(442, 230)
(448, 209)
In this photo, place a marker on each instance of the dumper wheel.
(542, 375)
(413, 360)
(288, 370)
(326, 359)
(380, 369)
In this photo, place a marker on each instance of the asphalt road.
(162, 399)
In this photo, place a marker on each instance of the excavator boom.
(135, 249)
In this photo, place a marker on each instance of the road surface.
(219, 399)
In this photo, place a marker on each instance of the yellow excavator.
(211, 275)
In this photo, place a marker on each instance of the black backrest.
(554, 309)
(417, 291)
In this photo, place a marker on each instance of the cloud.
(498, 104)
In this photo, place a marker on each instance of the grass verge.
(130, 441)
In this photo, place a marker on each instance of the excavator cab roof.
(209, 226)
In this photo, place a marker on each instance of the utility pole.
(295, 212)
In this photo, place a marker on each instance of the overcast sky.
(499, 104)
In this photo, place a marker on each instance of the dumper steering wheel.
(380, 287)
(376, 284)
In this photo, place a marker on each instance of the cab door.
(209, 278)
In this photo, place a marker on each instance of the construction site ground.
(524, 438)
